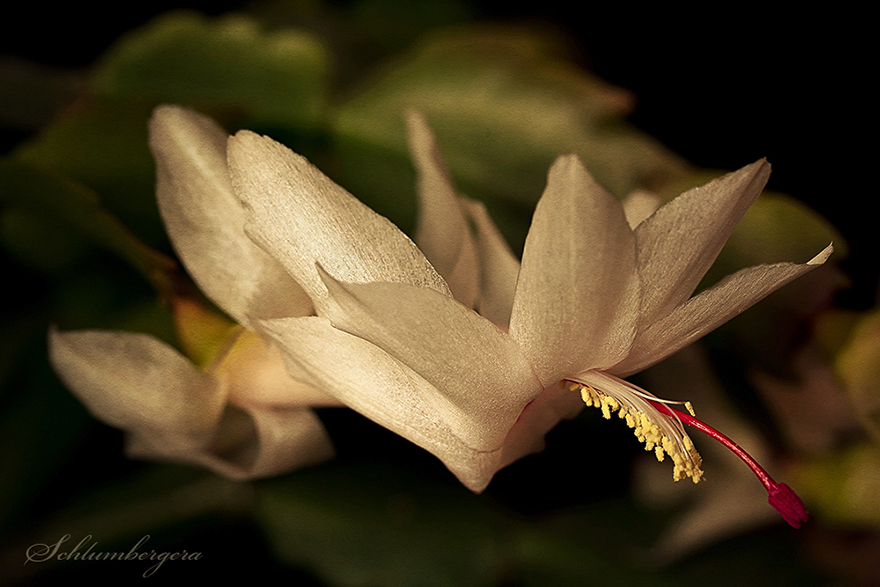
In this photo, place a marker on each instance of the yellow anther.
(588, 396)
(662, 441)
(688, 445)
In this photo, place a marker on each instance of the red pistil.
(780, 496)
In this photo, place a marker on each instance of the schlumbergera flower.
(478, 366)
(454, 344)
(237, 412)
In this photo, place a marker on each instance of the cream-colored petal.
(577, 298)
(370, 381)
(442, 231)
(679, 242)
(638, 206)
(256, 376)
(710, 309)
(287, 439)
(136, 382)
(482, 376)
(253, 443)
(205, 220)
(171, 411)
(301, 217)
(499, 267)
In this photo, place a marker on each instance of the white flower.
(241, 415)
(474, 360)
(593, 300)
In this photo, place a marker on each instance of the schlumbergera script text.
(85, 550)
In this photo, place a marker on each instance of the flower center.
(660, 427)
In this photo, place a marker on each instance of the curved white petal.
(442, 231)
(576, 302)
(172, 411)
(301, 217)
(205, 220)
(483, 377)
(373, 383)
(135, 381)
(680, 241)
(253, 443)
(256, 376)
(499, 267)
(287, 439)
(710, 309)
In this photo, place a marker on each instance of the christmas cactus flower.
(438, 362)
(456, 345)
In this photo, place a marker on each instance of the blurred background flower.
(650, 99)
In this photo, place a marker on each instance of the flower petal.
(257, 442)
(300, 217)
(577, 297)
(136, 382)
(171, 411)
(205, 220)
(287, 439)
(710, 309)
(484, 378)
(680, 241)
(370, 381)
(499, 267)
(256, 376)
(442, 232)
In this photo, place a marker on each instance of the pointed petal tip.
(414, 117)
(758, 172)
(161, 111)
(568, 168)
(747, 181)
(243, 137)
(567, 161)
(247, 149)
(177, 132)
(419, 135)
(166, 116)
(61, 341)
(823, 256)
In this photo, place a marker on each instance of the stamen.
(783, 499)
(660, 431)
(660, 428)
